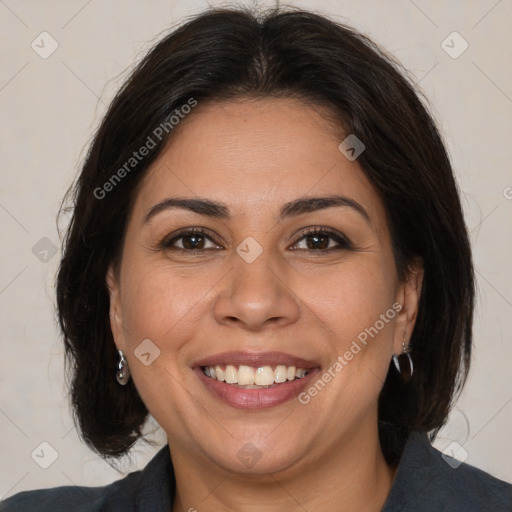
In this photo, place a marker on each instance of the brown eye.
(317, 241)
(190, 240)
(321, 240)
(193, 241)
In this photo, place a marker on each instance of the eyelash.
(342, 241)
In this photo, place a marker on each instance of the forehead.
(256, 155)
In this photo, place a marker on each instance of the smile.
(248, 377)
(251, 380)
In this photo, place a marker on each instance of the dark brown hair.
(223, 54)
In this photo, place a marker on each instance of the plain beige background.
(50, 107)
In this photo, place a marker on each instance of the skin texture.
(255, 156)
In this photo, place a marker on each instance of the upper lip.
(255, 359)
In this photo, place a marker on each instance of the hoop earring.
(403, 363)
(123, 372)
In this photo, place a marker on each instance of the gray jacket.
(426, 481)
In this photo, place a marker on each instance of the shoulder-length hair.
(223, 54)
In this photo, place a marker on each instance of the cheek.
(355, 307)
(162, 305)
(352, 298)
(165, 308)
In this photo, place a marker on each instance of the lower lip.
(255, 399)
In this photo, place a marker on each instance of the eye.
(191, 240)
(319, 240)
(196, 240)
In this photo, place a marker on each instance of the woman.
(268, 254)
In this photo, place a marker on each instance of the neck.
(351, 475)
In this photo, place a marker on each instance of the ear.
(408, 296)
(115, 313)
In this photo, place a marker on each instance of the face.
(257, 281)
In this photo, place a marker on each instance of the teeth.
(245, 375)
(219, 373)
(254, 377)
(231, 375)
(280, 373)
(264, 376)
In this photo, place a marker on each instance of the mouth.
(248, 377)
(252, 381)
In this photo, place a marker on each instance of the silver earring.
(403, 363)
(123, 372)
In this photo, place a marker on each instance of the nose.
(256, 296)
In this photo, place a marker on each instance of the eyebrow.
(293, 208)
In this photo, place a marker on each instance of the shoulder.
(73, 498)
(473, 488)
(79, 499)
(429, 480)
(148, 489)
